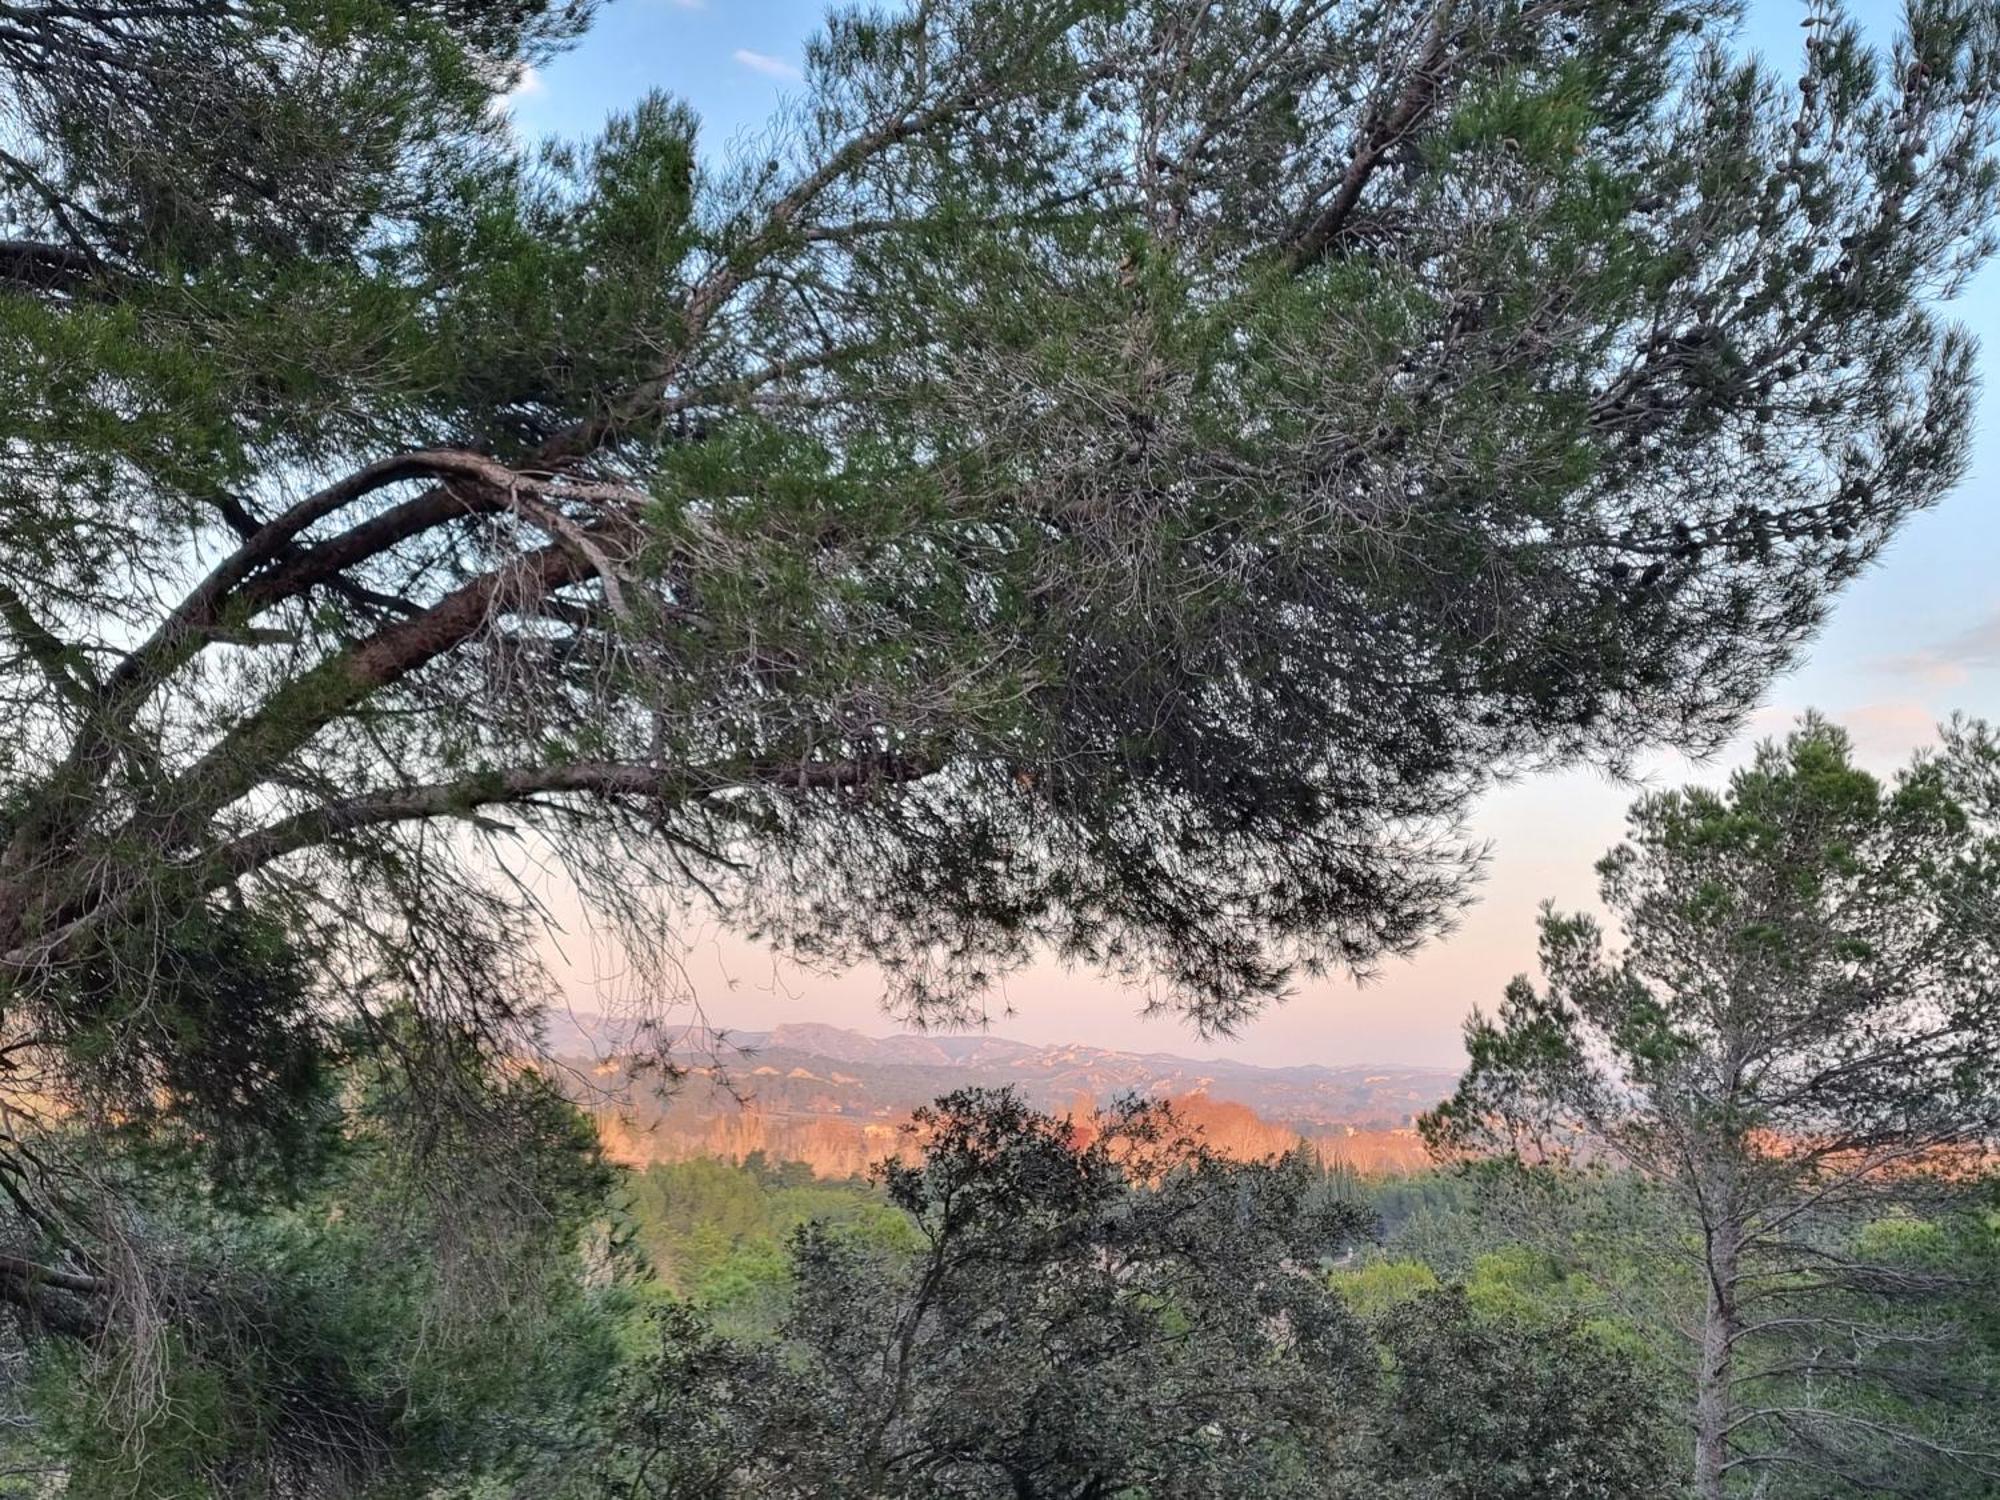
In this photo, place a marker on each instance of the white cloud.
(526, 84)
(763, 62)
(1949, 662)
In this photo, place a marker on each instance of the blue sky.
(1915, 639)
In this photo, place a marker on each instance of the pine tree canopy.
(1102, 477)
(1794, 1048)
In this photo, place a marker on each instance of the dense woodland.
(1110, 481)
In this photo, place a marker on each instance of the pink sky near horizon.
(1915, 639)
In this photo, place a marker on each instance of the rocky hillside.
(836, 1098)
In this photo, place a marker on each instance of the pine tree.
(1798, 1048)
(1102, 477)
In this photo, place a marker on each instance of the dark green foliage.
(947, 531)
(1110, 477)
(1075, 1318)
(196, 134)
(1117, 1313)
(223, 1058)
(1484, 1410)
(391, 1327)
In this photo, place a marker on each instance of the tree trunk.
(1712, 1379)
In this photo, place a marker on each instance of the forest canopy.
(1113, 480)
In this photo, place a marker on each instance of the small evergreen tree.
(1798, 1046)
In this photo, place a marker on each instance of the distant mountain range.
(836, 1098)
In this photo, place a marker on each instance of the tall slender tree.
(1104, 476)
(1798, 1044)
